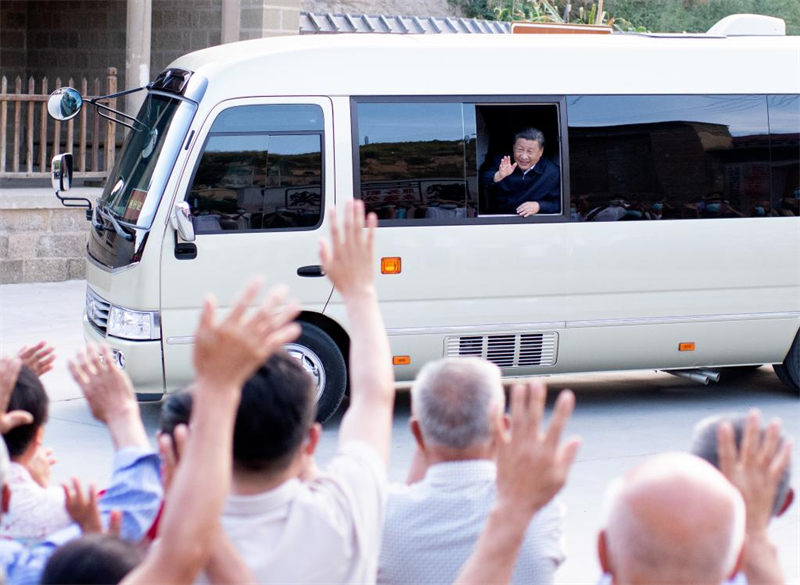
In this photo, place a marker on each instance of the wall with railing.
(29, 138)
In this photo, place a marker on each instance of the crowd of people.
(233, 493)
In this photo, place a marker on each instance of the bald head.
(452, 401)
(672, 519)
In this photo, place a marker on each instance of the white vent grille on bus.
(507, 350)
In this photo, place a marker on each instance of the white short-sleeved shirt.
(324, 531)
(34, 511)
(431, 528)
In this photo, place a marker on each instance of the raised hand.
(110, 395)
(531, 465)
(227, 353)
(107, 388)
(756, 468)
(40, 464)
(531, 468)
(348, 259)
(9, 370)
(84, 511)
(506, 168)
(39, 357)
(171, 447)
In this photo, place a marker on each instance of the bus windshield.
(134, 187)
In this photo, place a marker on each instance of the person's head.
(28, 395)
(91, 559)
(528, 148)
(674, 519)
(455, 403)
(175, 410)
(704, 445)
(275, 416)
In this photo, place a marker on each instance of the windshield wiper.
(108, 216)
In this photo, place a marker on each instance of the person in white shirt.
(290, 523)
(37, 508)
(432, 525)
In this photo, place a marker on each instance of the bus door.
(257, 190)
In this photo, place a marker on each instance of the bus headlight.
(138, 325)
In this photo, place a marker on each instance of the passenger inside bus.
(523, 183)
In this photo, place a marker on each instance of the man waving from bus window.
(526, 185)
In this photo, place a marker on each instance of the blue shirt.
(135, 490)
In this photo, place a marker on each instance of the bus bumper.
(141, 360)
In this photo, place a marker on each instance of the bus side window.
(416, 160)
(261, 169)
(669, 157)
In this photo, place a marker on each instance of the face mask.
(635, 213)
(759, 211)
(658, 206)
(713, 207)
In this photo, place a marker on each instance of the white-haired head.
(673, 518)
(452, 400)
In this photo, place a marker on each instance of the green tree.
(700, 15)
(653, 15)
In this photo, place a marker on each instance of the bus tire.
(783, 376)
(323, 360)
(789, 371)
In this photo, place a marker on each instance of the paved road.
(623, 418)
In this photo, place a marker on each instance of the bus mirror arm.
(61, 179)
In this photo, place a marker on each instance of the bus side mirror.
(61, 172)
(64, 103)
(182, 221)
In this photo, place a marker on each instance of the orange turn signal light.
(686, 346)
(401, 360)
(391, 265)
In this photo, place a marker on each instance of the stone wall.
(41, 241)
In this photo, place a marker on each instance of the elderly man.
(432, 526)
(528, 185)
(672, 519)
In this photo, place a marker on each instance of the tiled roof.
(320, 23)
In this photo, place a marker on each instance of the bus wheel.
(322, 359)
(789, 370)
(783, 376)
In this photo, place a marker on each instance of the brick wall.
(75, 38)
(182, 26)
(41, 241)
(13, 32)
(261, 18)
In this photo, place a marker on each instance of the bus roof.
(384, 64)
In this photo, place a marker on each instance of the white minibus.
(672, 241)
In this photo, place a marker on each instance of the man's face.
(526, 153)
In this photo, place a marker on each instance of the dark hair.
(28, 395)
(704, 445)
(175, 410)
(530, 134)
(277, 410)
(91, 559)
